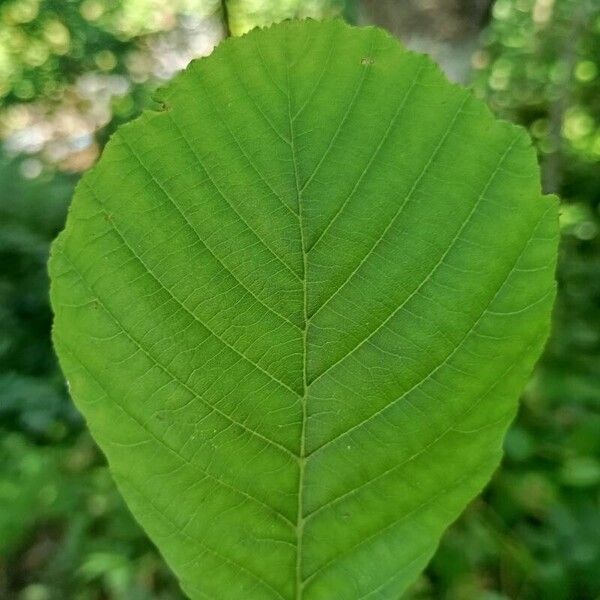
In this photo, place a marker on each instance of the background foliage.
(71, 71)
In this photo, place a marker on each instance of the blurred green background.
(72, 70)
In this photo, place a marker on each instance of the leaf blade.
(297, 311)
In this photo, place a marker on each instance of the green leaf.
(297, 307)
(244, 15)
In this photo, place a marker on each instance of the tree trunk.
(448, 30)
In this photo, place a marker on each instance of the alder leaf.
(297, 307)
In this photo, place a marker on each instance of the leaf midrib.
(303, 397)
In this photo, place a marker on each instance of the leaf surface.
(297, 307)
